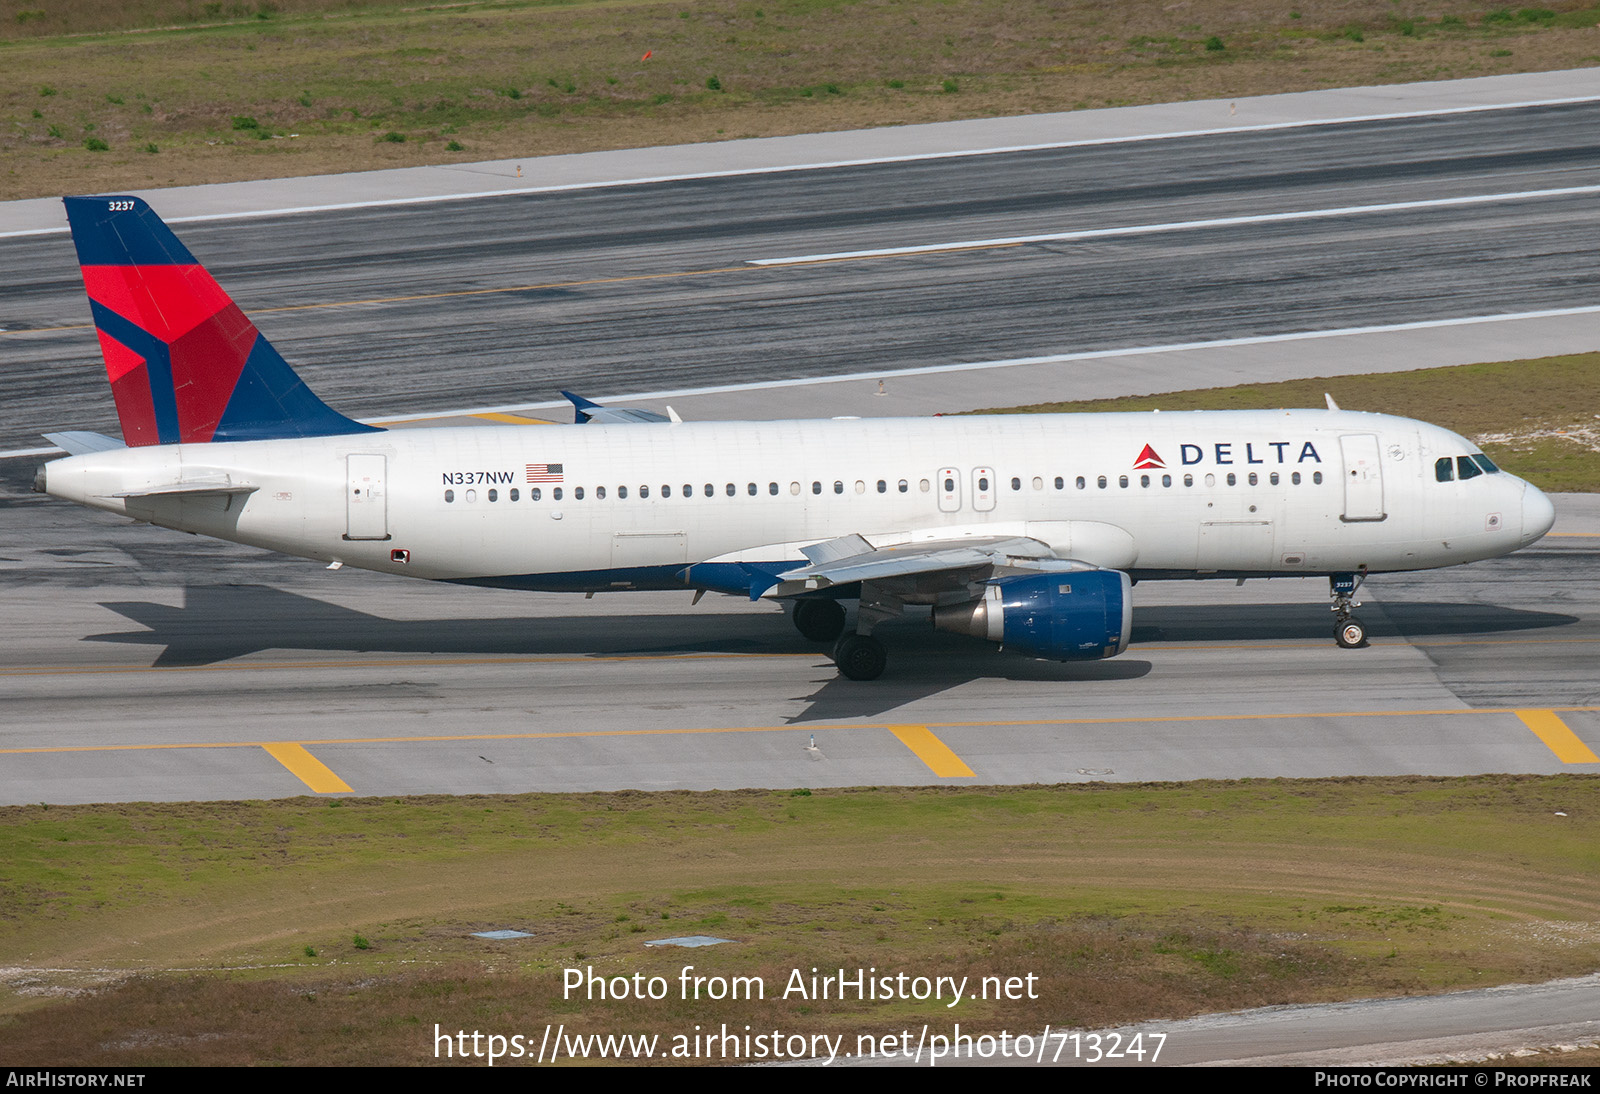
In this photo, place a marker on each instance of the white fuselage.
(1157, 494)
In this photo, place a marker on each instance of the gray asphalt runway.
(506, 300)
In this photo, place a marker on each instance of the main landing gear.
(1348, 631)
(860, 656)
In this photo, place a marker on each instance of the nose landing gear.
(1348, 631)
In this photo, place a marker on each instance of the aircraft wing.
(932, 566)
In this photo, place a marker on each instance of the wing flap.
(842, 562)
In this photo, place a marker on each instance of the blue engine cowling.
(1075, 615)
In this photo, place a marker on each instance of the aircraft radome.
(1026, 530)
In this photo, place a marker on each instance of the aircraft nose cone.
(1538, 513)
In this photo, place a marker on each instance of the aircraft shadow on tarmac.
(220, 622)
(1314, 622)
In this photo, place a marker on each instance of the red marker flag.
(647, 54)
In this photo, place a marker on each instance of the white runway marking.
(1180, 226)
(771, 169)
(975, 366)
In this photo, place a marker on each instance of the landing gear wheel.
(860, 657)
(1351, 634)
(819, 620)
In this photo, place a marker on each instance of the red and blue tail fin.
(186, 365)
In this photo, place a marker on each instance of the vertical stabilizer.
(186, 365)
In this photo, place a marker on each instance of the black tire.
(819, 620)
(1351, 634)
(860, 657)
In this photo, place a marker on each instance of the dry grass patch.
(308, 86)
(296, 932)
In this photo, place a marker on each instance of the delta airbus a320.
(1026, 530)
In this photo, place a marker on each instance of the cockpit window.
(1445, 470)
(1466, 468)
(1486, 463)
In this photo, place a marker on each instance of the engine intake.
(1079, 615)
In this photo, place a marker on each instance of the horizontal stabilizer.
(587, 410)
(191, 489)
(78, 442)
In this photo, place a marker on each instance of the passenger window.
(1122, 481)
(577, 493)
(1166, 480)
(494, 495)
(1038, 483)
(471, 495)
(949, 486)
(883, 487)
(1061, 483)
(923, 485)
(1101, 481)
(1274, 478)
(753, 490)
(1081, 482)
(1316, 478)
(1254, 480)
(983, 483)
(1233, 480)
(1294, 479)
(688, 490)
(731, 490)
(904, 486)
(535, 494)
(1188, 480)
(772, 488)
(711, 491)
(515, 494)
(1016, 484)
(644, 491)
(838, 487)
(1466, 468)
(816, 487)
(861, 487)
(449, 495)
(1211, 480)
(1144, 481)
(599, 493)
(622, 492)
(666, 491)
(555, 494)
(1444, 469)
(794, 488)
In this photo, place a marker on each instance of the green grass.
(328, 76)
(1126, 901)
(1539, 419)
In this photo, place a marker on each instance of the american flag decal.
(544, 472)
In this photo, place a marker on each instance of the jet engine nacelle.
(1078, 615)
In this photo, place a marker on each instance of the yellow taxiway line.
(306, 767)
(932, 751)
(1545, 723)
(1549, 728)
